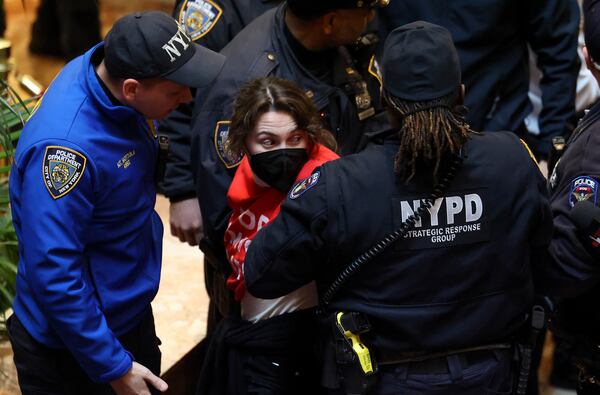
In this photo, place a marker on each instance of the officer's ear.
(130, 89)
(328, 22)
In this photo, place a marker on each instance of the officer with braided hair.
(437, 305)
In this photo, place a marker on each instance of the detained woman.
(277, 130)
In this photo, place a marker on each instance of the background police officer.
(574, 273)
(302, 41)
(65, 28)
(211, 23)
(447, 298)
(492, 38)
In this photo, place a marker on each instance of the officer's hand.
(186, 221)
(136, 381)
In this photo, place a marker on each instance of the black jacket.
(264, 48)
(574, 273)
(461, 278)
(228, 18)
(491, 37)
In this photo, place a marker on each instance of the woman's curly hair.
(266, 94)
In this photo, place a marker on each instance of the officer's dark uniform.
(459, 280)
(266, 47)
(461, 277)
(211, 23)
(492, 38)
(573, 273)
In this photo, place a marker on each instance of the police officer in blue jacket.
(439, 308)
(492, 38)
(82, 192)
(574, 274)
(303, 41)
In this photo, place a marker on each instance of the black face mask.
(279, 168)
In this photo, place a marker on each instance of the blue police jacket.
(461, 277)
(82, 194)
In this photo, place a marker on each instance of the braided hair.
(429, 132)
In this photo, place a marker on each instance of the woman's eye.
(296, 139)
(267, 143)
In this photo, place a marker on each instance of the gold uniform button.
(271, 57)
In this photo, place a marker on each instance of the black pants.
(49, 371)
(276, 356)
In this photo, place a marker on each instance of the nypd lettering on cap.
(177, 44)
(582, 189)
(62, 169)
(199, 17)
(301, 187)
(221, 135)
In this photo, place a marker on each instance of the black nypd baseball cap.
(591, 29)
(420, 62)
(152, 44)
(314, 8)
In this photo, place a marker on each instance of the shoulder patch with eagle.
(62, 169)
(199, 17)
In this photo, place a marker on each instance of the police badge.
(62, 169)
(583, 188)
(199, 17)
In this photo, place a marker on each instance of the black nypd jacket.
(263, 49)
(491, 37)
(211, 23)
(462, 277)
(574, 272)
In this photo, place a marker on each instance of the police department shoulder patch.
(221, 134)
(583, 188)
(304, 185)
(62, 169)
(199, 17)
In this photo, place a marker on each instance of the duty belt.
(386, 358)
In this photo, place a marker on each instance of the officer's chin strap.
(355, 361)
